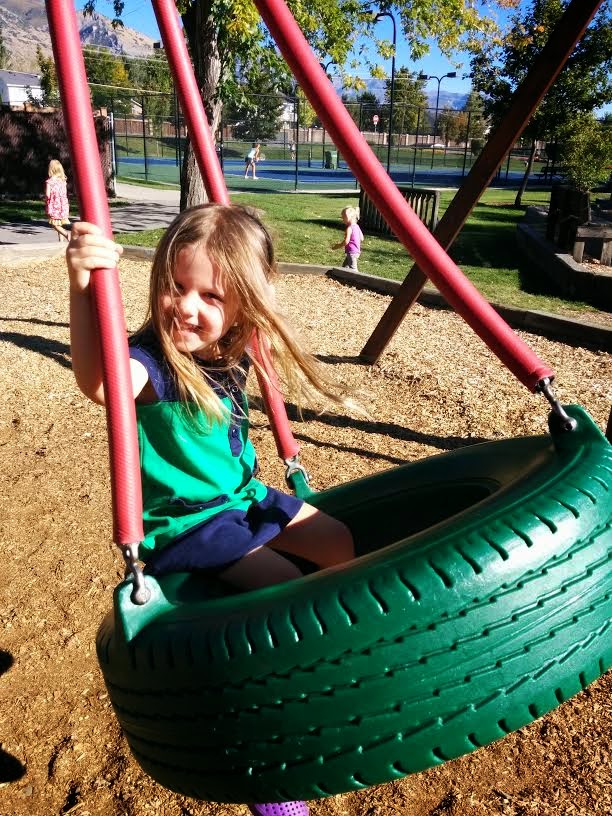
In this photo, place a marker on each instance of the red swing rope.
(203, 147)
(107, 303)
(106, 294)
(426, 251)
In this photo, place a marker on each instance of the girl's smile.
(200, 309)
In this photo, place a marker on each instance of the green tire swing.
(480, 599)
(455, 628)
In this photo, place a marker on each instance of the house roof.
(19, 78)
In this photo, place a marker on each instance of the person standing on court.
(251, 159)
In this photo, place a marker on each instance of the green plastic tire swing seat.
(480, 597)
(480, 602)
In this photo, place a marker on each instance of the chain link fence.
(419, 146)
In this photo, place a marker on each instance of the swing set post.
(452, 283)
(544, 71)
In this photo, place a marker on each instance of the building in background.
(17, 87)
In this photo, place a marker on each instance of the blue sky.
(138, 14)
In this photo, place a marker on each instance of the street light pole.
(450, 75)
(379, 16)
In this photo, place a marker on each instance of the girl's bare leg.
(61, 232)
(317, 537)
(260, 568)
(311, 535)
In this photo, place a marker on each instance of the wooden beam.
(544, 71)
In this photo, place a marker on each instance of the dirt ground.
(436, 388)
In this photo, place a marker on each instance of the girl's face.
(201, 311)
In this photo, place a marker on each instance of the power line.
(128, 89)
(105, 49)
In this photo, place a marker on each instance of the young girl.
(203, 508)
(209, 291)
(353, 237)
(56, 199)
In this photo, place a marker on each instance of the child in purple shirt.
(353, 236)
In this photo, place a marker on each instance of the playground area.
(436, 388)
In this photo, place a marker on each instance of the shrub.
(586, 152)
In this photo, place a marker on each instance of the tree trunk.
(518, 201)
(204, 49)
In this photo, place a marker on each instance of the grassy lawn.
(305, 226)
(24, 210)
(16, 211)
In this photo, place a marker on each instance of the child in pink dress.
(56, 199)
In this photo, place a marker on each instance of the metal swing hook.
(140, 593)
(295, 466)
(566, 422)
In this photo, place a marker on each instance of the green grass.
(140, 181)
(305, 226)
(12, 212)
(24, 210)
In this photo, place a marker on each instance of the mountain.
(24, 28)
(451, 99)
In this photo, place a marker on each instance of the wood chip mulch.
(437, 387)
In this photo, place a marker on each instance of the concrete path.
(145, 208)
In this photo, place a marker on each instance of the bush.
(476, 146)
(586, 152)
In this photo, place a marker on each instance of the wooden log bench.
(425, 203)
(593, 230)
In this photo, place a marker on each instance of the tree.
(306, 114)
(586, 151)
(474, 112)
(224, 35)
(362, 107)
(5, 60)
(452, 124)
(257, 116)
(48, 78)
(152, 74)
(352, 106)
(368, 106)
(106, 70)
(408, 99)
(583, 85)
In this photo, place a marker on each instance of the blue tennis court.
(289, 174)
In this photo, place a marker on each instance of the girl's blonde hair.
(351, 213)
(240, 247)
(56, 169)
